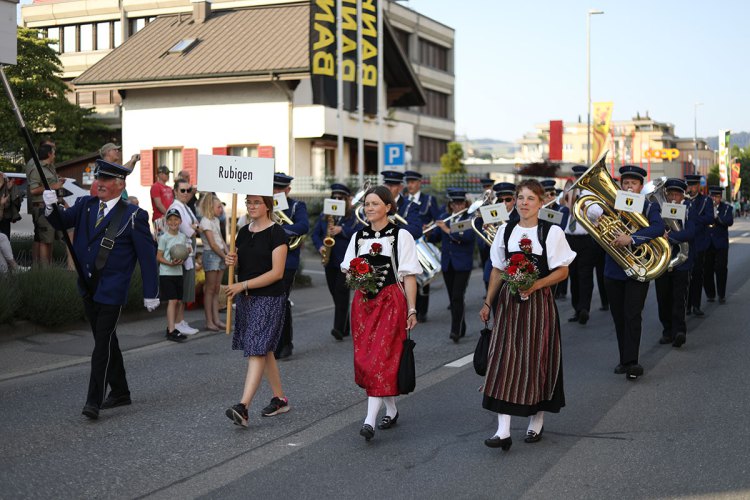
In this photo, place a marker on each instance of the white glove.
(50, 197)
(150, 304)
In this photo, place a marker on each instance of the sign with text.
(8, 33)
(552, 216)
(628, 201)
(235, 174)
(279, 202)
(334, 207)
(461, 226)
(673, 211)
(492, 214)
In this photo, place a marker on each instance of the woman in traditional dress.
(380, 318)
(524, 370)
(261, 301)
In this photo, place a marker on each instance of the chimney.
(201, 10)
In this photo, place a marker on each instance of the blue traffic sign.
(394, 154)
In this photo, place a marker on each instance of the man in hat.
(628, 295)
(341, 228)
(551, 191)
(704, 216)
(427, 208)
(409, 211)
(111, 236)
(457, 259)
(44, 234)
(300, 226)
(162, 197)
(112, 153)
(717, 253)
(672, 286)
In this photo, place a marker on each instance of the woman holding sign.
(524, 365)
(260, 255)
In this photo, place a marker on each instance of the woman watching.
(385, 310)
(524, 369)
(214, 253)
(259, 294)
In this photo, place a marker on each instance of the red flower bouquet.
(375, 249)
(521, 272)
(362, 276)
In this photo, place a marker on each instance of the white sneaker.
(185, 329)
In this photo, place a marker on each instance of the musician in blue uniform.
(427, 208)
(704, 216)
(505, 192)
(297, 213)
(672, 286)
(717, 253)
(111, 236)
(341, 228)
(627, 295)
(561, 289)
(482, 246)
(394, 181)
(457, 259)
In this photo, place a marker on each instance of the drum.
(429, 258)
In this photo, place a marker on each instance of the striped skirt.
(524, 369)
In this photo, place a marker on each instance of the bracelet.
(412, 310)
(488, 305)
(244, 283)
(411, 314)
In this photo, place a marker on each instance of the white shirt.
(108, 205)
(593, 212)
(558, 250)
(408, 263)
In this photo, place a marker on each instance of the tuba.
(655, 193)
(644, 262)
(488, 231)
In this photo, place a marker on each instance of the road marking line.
(744, 234)
(461, 361)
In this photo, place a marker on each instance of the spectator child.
(170, 271)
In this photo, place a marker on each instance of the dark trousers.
(696, 281)
(671, 293)
(456, 283)
(582, 271)
(336, 281)
(288, 331)
(715, 264)
(107, 368)
(599, 265)
(626, 300)
(423, 301)
(561, 288)
(5, 227)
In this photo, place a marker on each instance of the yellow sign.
(662, 154)
(629, 201)
(602, 116)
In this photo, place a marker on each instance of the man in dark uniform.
(505, 192)
(628, 295)
(297, 213)
(561, 289)
(704, 216)
(341, 229)
(409, 211)
(457, 259)
(108, 257)
(672, 286)
(426, 207)
(717, 252)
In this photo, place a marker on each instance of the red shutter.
(220, 151)
(190, 163)
(265, 152)
(147, 167)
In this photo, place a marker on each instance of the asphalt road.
(680, 430)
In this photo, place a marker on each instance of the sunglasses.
(338, 197)
(183, 190)
(506, 200)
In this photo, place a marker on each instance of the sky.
(520, 63)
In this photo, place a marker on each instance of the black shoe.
(285, 352)
(90, 411)
(237, 414)
(583, 317)
(533, 437)
(679, 340)
(620, 369)
(573, 319)
(337, 334)
(722, 300)
(367, 432)
(115, 401)
(175, 336)
(421, 318)
(710, 299)
(698, 312)
(689, 311)
(454, 337)
(605, 307)
(388, 422)
(496, 442)
(634, 371)
(664, 340)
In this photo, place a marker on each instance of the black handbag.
(481, 352)
(407, 377)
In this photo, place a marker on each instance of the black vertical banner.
(323, 52)
(370, 55)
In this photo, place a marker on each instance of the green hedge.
(9, 297)
(49, 296)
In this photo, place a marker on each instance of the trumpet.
(294, 241)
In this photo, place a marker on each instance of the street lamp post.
(588, 82)
(695, 136)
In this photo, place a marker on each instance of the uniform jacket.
(427, 208)
(687, 234)
(297, 213)
(563, 210)
(410, 212)
(648, 233)
(457, 249)
(703, 218)
(719, 233)
(349, 226)
(133, 243)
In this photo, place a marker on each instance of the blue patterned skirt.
(258, 325)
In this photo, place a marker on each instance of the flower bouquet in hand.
(521, 272)
(362, 276)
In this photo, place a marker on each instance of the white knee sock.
(536, 422)
(373, 408)
(390, 406)
(503, 426)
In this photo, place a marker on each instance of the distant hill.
(488, 148)
(739, 139)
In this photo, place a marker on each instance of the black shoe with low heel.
(367, 432)
(388, 422)
(496, 442)
(533, 437)
(664, 340)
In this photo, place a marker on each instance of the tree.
(40, 93)
(452, 161)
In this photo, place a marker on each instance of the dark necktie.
(100, 215)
